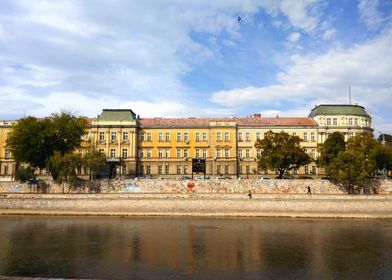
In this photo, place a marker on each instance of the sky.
(195, 58)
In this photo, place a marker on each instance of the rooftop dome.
(353, 110)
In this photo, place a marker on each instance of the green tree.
(281, 151)
(357, 166)
(34, 141)
(93, 161)
(25, 174)
(64, 168)
(30, 141)
(330, 149)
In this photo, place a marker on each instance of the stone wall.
(256, 186)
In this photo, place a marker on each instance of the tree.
(357, 166)
(64, 167)
(281, 151)
(385, 139)
(30, 141)
(93, 161)
(34, 141)
(330, 149)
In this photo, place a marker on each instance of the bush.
(25, 174)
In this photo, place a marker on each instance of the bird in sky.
(239, 18)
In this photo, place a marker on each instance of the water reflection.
(195, 248)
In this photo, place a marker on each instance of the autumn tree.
(281, 151)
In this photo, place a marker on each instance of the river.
(195, 248)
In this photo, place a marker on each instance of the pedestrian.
(250, 194)
(309, 191)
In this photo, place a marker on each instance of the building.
(164, 147)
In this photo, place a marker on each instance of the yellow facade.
(164, 147)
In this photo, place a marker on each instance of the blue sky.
(193, 58)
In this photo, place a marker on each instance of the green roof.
(354, 110)
(117, 115)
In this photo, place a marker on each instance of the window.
(125, 136)
(313, 154)
(197, 153)
(247, 169)
(247, 136)
(328, 121)
(197, 136)
(335, 121)
(240, 169)
(240, 153)
(258, 152)
(178, 136)
(160, 169)
(114, 136)
(312, 138)
(141, 169)
(314, 170)
(124, 169)
(355, 121)
(167, 137)
(7, 153)
(178, 153)
(218, 153)
(186, 137)
(125, 153)
(101, 151)
(247, 153)
(112, 153)
(306, 169)
(227, 153)
(167, 153)
(149, 153)
(305, 137)
(149, 138)
(160, 153)
(219, 169)
(178, 169)
(6, 170)
(148, 169)
(350, 121)
(294, 134)
(185, 169)
(167, 169)
(239, 136)
(204, 153)
(227, 138)
(218, 136)
(204, 136)
(257, 135)
(160, 137)
(102, 136)
(226, 169)
(141, 136)
(186, 154)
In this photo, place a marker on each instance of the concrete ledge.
(321, 206)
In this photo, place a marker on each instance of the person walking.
(309, 191)
(250, 194)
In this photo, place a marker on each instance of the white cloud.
(369, 13)
(325, 78)
(294, 37)
(329, 34)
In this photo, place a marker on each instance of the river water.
(195, 248)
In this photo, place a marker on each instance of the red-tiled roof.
(247, 121)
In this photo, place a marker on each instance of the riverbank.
(207, 205)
